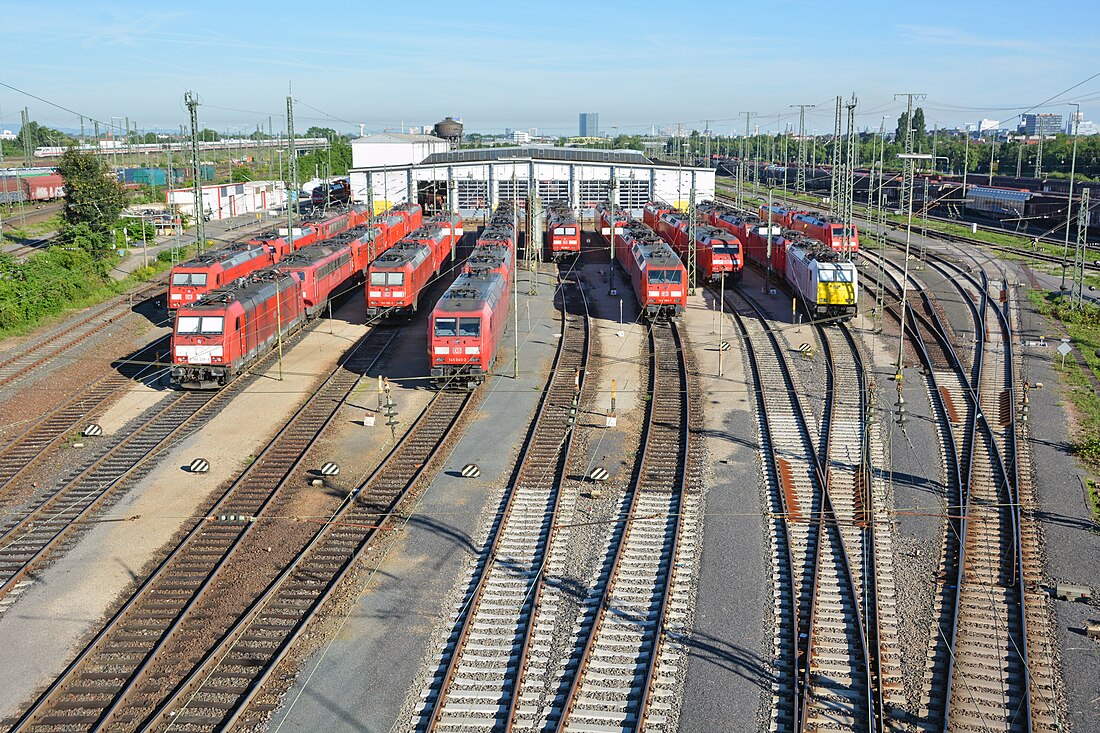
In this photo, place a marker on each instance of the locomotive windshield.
(445, 327)
(726, 249)
(189, 278)
(197, 325)
(664, 277)
(469, 326)
(387, 278)
(833, 275)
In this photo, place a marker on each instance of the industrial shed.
(474, 181)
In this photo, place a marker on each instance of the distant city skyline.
(529, 68)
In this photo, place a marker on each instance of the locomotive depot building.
(392, 168)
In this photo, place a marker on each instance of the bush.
(45, 284)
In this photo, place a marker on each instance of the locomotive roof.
(401, 254)
(225, 255)
(250, 292)
(812, 249)
(658, 253)
(426, 231)
(469, 291)
(314, 252)
(714, 232)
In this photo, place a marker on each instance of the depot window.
(445, 327)
(664, 277)
(189, 278)
(469, 326)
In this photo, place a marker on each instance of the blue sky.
(498, 64)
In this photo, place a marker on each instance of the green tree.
(326, 132)
(920, 133)
(339, 155)
(208, 135)
(93, 201)
(903, 125)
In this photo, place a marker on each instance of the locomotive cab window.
(395, 278)
(189, 278)
(445, 327)
(664, 277)
(212, 324)
(469, 326)
(187, 324)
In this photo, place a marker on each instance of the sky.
(641, 65)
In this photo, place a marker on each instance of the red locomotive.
(466, 325)
(717, 253)
(777, 215)
(219, 337)
(652, 213)
(656, 274)
(823, 229)
(563, 235)
(396, 279)
(189, 280)
(320, 270)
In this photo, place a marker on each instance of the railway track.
(35, 531)
(990, 664)
(222, 690)
(119, 678)
(628, 664)
(44, 349)
(836, 641)
(492, 650)
(21, 453)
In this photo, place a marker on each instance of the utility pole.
(993, 160)
(745, 141)
(966, 159)
(693, 232)
(1039, 149)
(292, 171)
(800, 183)
(1078, 286)
(196, 174)
(848, 201)
(1069, 201)
(908, 162)
(611, 241)
(834, 183)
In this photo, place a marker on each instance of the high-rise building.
(1042, 124)
(985, 125)
(1076, 117)
(589, 124)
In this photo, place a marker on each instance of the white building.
(8, 135)
(475, 181)
(520, 136)
(986, 125)
(394, 149)
(230, 199)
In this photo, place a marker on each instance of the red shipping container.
(44, 188)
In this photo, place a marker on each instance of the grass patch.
(1094, 498)
(52, 284)
(1083, 326)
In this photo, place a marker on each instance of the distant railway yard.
(615, 465)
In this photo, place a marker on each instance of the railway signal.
(199, 465)
(93, 431)
(599, 473)
(471, 470)
(330, 469)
